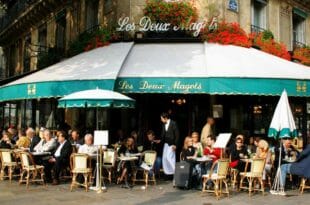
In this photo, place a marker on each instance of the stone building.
(32, 28)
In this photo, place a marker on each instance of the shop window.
(91, 14)
(299, 28)
(10, 115)
(1, 116)
(259, 15)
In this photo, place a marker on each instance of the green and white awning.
(166, 68)
(96, 98)
(97, 68)
(209, 68)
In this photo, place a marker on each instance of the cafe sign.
(157, 85)
(146, 24)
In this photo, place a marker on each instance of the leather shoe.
(55, 182)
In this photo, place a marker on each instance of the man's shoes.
(55, 182)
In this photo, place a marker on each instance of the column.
(51, 32)
(82, 16)
(69, 26)
(34, 53)
(245, 15)
(273, 18)
(101, 16)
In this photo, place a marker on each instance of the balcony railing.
(256, 29)
(14, 11)
(298, 39)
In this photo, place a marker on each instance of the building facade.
(30, 29)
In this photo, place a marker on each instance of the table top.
(128, 158)
(289, 160)
(40, 153)
(203, 159)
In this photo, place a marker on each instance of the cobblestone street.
(162, 193)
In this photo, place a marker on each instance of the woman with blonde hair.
(263, 152)
(188, 152)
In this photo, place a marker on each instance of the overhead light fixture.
(179, 101)
(257, 109)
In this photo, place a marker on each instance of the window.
(299, 28)
(42, 38)
(259, 13)
(91, 14)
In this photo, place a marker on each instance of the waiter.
(169, 137)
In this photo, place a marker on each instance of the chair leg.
(10, 173)
(73, 181)
(146, 178)
(204, 181)
(250, 186)
(27, 179)
(86, 182)
(262, 186)
(110, 176)
(226, 187)
(21, 176)
(42, 176)
(2, 173)
(302, 185)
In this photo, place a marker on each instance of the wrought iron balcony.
(15, 11)
(257, 29)
(23, 14)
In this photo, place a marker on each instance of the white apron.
(168, 160)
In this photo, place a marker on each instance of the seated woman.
(264, 152)
(188, 154)
(23, 141)
(6, 142)
(239, 151)
(125, 167)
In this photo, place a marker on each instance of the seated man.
(154, 144)
(300, 168)
(47, 144)
(34, 139)
(60, 160)
(88, 147)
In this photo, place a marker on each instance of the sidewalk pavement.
(162, 193)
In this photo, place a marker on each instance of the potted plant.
(178, 14)
(267, 44)
(302, 55)
(227, 34)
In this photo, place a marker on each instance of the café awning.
(209, 68)
(97, 68)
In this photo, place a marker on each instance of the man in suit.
(60, 160)
(169, 137)
(34, 140)
(300, 168)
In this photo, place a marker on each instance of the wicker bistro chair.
(253, 176)
(147, 168)
(7, 162)
(303, 185)
(218, 177)
(109, 158)
(30, 169)
(80, 164)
